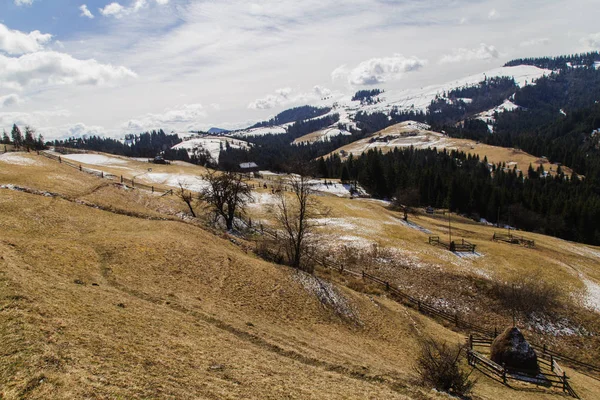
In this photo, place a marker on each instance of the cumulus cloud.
(592, 41)
(182, 117)
(9, 100)
(483, 52)
(85, 12)
(493, 14)
(535, 42)
(75, 130)
(35, 119)
(322, 92)
(112, 10)
(378, 70)
(54, 68)
(23, 2)
(116, 10)
(17, 42)
(288, 95)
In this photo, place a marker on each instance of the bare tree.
(226, 193)
(297, 214)
(407, 200)
(188, 197)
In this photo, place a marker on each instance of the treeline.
(369, 123)
(367, 96)
(452, 106)
(147, 144)
(27, 141)
(558, 206)
(304, 127)
(556, 63)
(293, 115)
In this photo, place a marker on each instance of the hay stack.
(512, 350)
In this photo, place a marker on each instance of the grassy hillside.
(97, 304)
(408, 134)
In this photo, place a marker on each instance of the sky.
(70, 68)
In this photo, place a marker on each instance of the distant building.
(249, 167)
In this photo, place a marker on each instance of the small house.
(249, 167)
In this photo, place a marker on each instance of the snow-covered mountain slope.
(212, 144)
(414, 99)
(488, 116)
(418, 99)
(321, 136)
(266, 130)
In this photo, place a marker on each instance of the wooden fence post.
(387, 286)
(552, 362)
(59, 160)
(471, 341)
(419, 305)
(152, 189)
(121, 178)
(495, 332)
(564, 381)
(504, 373)
(80, 167)
(363, 275)
(456, 319)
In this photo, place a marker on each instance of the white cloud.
(184, 117)
(535, 42)
(116, 10)
(75, 130)
(493, 14)
(23, 2)
(53, 68)
(35, 118)
(591, 41)
(16, 42)
(483, 52)
(10, 100)
(321, 91)
(112, 10)
(285, 96)
(85, 12)
(379, 70)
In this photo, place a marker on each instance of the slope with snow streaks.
(322, 135)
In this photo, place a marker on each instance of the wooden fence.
(460, 247)
(101, 174)
(551, 373)
(512, 239)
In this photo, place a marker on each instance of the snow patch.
(17, 159)
(592, 299)
(327, 294)
(93, 159)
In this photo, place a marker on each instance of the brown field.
(96, 304)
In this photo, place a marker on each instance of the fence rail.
(512, 239)
(102, 174)
(556, 377)
(460, 247)
(454, 317)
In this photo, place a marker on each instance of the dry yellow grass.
(99, 305)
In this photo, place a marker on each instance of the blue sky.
(188, 64)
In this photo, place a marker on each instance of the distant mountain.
(216, 131)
